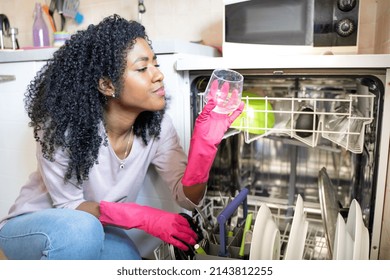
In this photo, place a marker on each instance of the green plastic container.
(257, 116)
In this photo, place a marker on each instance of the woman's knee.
(118, 245)
(79, 237)
(53, 234)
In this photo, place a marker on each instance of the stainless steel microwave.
(290, 26)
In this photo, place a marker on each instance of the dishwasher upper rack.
(315, 247)
(350, 116)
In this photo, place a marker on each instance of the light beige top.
(107, 181)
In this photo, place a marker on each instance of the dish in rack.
(352, 237)
(265, 237)
(299, 227)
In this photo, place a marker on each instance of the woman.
(97, 110)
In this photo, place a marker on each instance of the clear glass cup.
(345, 125)
(226, 85)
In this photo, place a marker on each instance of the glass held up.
(225, 86)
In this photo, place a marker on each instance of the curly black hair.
(63, 101)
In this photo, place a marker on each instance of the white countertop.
(21, 55)
(204, 58)
(159, 46)
(285, 62)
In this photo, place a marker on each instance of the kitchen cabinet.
(17, 145)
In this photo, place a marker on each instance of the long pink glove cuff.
(209, 130)
(169, 227)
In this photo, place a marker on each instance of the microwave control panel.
(335, 23)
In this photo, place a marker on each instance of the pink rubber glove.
(169, 227)
(209, 130)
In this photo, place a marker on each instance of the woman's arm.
(90, 207)
(195, 193)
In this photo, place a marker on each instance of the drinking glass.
(225, 86)
(345, 125)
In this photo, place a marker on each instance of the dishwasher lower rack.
(315, 245)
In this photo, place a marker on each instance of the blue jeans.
(64, 234)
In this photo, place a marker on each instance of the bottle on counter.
(40, 30)
(60, 38)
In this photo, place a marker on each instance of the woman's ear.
(106, 87)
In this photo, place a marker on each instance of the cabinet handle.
(7, 78)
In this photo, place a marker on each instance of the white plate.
(271, 241)
(349, 246)
(258, 232)
(297, 237)
(265, 237)
(364, 251)
(354, 228)
(339, 247)
(352, 241)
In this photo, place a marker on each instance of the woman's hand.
(169, 227)
(209, 130)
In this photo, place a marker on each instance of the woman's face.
(143, 88)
